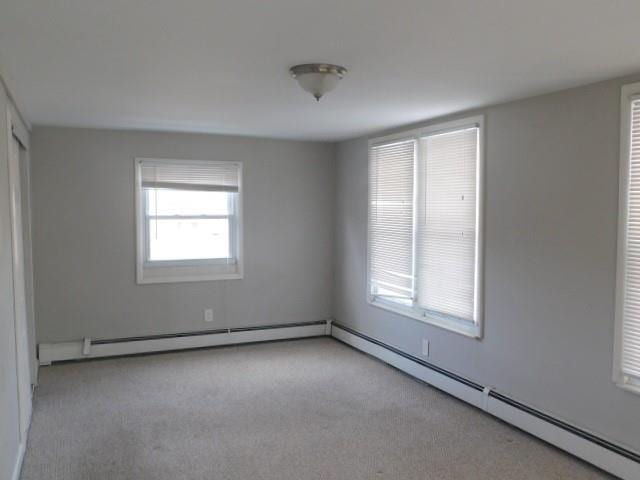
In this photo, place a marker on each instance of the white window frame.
(192, 270)
(474, 330)
(628, 93)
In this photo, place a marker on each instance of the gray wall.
(84, 235)
(550, 250)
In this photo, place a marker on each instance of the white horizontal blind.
(184, 175)
(447, 223)
(631, 307)
(391, 189)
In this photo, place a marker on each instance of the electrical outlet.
(425, 347)
(208, 315)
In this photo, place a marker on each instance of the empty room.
(331, 240)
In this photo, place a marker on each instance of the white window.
(189, 220)
(425, 224)
(626, 365)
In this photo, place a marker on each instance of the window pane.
(447, 230)
(391, 170)
(631, 305)
(188, 239)
(187, 202)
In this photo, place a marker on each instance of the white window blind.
(447, 223)
(630, 318)
(425, 224)
(391, 207)
(184, 175)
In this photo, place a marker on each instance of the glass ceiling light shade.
(317, 78)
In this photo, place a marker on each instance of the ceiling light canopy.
(317, 78)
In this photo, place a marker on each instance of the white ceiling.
(221, 66)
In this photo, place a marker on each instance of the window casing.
(626, 364)
(424, 256)
(189, 220)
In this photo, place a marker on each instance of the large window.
(425, 229)
(188, 216)
(627, 333)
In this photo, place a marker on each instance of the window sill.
(187, 273)
(632, 385)
(468, 330)
(201, 278)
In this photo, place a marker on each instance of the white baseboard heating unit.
(88, 348)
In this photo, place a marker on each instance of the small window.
(189, 220)
(425, 229)
(626, 365)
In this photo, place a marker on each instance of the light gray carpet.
(306, 409)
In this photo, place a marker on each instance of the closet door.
(20, 304)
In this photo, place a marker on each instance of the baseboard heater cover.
(598, 451)
(56, 352)
(17, 468)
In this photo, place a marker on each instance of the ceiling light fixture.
(317, 78)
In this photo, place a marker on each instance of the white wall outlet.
(208, 315)
(425, 347)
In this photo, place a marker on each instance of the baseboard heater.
(598, 451)
(94, 348)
